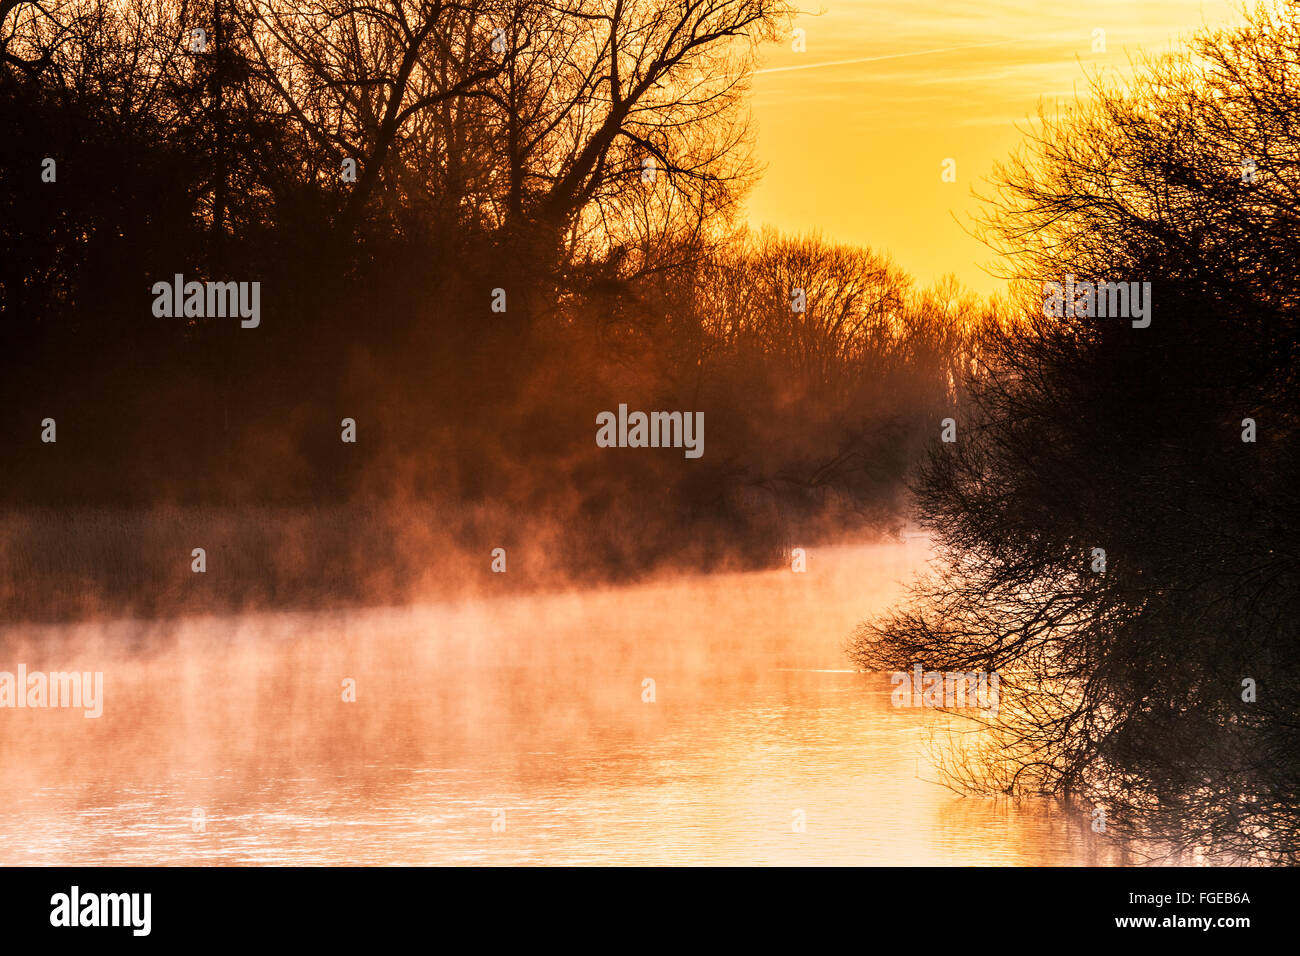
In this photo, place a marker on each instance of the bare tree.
(1110, 544)
(618, 116)
(357, 77)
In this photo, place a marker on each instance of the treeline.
(475, 226)
(1119, 516)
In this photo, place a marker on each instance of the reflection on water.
(228, 741)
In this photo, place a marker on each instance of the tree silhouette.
(1127, 683)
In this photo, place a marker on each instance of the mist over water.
(528, 706)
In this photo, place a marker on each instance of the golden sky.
(854, 130)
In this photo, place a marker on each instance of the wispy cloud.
(886, 56)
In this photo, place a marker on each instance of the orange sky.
(855, 149)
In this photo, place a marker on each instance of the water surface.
(506, 730)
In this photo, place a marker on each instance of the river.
(509, 729)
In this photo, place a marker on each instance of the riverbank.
(81, 564)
